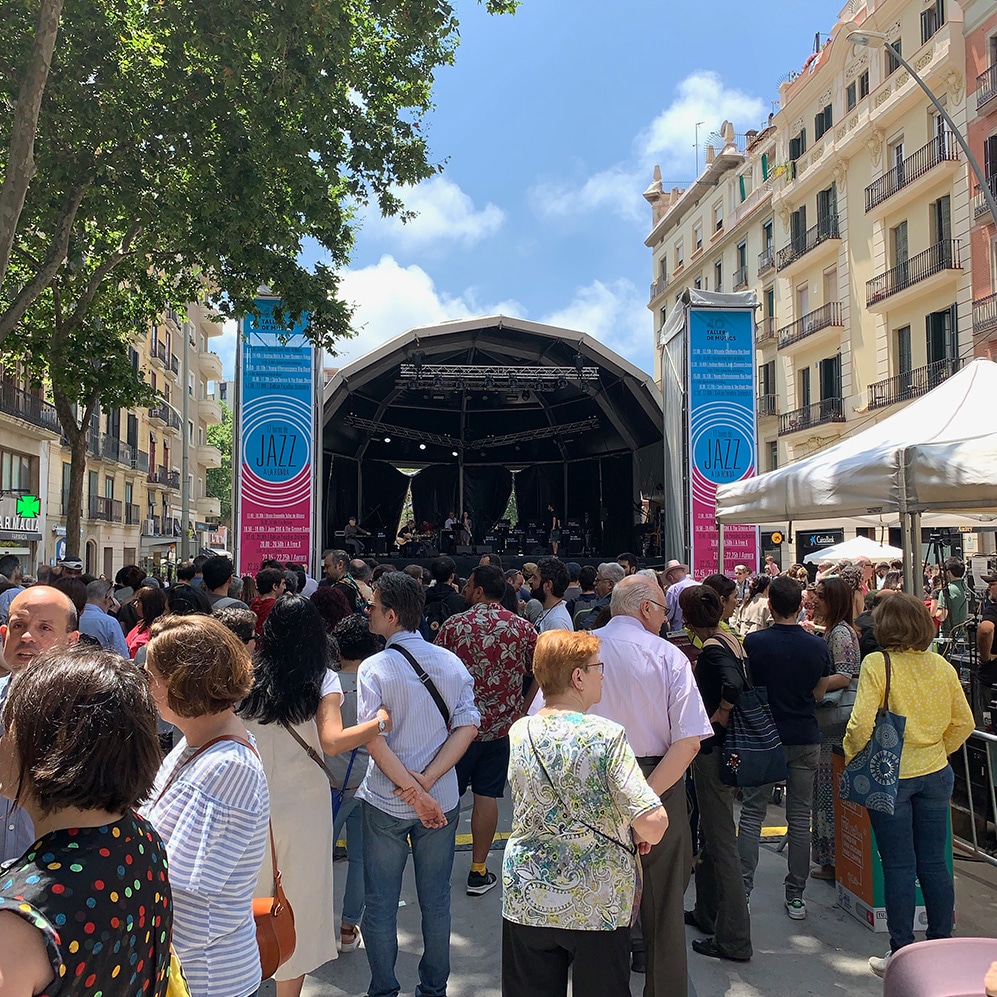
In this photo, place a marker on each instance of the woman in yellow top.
(925, 689)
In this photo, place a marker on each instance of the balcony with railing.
(164, 478)
(825, 317)
(766, 405)
(174, 363)
(912, 383)
(817, 414)
(943, 255)
(24, 405)
(741, 278)
(133, 515)
(986, 86)
(158, 526)
(980, 206)
(942, 148)
(140, 460)
(158, 353)
(107, 510)
(985, 314)
(765, 331)
(658, 287)
(766, 260)
(165, 414)
(825, 230)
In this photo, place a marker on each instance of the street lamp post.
(874, 39)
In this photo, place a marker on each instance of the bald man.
(40, 618)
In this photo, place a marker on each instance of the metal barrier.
(988, 743)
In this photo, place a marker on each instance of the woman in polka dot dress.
(86, 911)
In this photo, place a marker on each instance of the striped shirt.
(417, 729)
(214, 820)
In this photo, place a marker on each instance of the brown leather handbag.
(274, 923)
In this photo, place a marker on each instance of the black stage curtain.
(583, 492)
(384, 491)
(434, 494)
(537, 487)
(340, 497)
(486, 495)
(618, 503)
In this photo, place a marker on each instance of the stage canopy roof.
(481, 407)
(492, 390)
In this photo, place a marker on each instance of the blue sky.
(550, 123)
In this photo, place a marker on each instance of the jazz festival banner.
(276, 433)
(721, 414)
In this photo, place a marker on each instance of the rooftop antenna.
(698, 123)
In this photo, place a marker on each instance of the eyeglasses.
(658, 604)
(595, 664)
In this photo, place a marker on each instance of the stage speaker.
(576, 544)
(431, 550)
(483, 549)
(464, 549)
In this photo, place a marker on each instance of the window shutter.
(740, 181)
(765, 166)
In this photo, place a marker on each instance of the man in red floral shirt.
(497, 648)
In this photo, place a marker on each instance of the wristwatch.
(382, 727)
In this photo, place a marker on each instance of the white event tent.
(939, 453)
(856, 547)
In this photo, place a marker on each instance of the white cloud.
(616, 189)
(390, 299)
(701, 96)
(667, 141)
(615, 313)
(444, 214)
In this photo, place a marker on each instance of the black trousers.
(535, 962)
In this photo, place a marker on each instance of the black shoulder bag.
(427, 682)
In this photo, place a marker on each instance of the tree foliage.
(219, 479)
(208, 141)
(186, 150)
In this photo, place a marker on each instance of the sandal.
(349, 938)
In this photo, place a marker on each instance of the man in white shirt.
(429, 745)
(648, 688)
(548, 585)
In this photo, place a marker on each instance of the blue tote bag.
(872, 777)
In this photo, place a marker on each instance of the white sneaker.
(796, 908)
(878, 965)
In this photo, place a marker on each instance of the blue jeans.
(911, 844)
(350, 817)
(385, 851)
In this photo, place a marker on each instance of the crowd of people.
(269, 714)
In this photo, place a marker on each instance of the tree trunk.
(74, 506)
(21, 153)
(76, 433)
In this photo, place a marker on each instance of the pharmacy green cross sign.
(29, 506)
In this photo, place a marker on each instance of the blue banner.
(276, 437)
(722, 430)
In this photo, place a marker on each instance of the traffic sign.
(29, 506)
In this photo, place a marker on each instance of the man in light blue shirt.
(429, 745)
(94, 621)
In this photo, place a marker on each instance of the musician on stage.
(351, 537)
(408, 540)
(465, 529)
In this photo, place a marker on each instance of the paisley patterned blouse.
(576, 789)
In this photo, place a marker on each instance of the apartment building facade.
(850, 216)
(981, 84)
(133, 489)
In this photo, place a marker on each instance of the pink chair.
(944, 967)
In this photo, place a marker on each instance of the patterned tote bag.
(872, 777)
